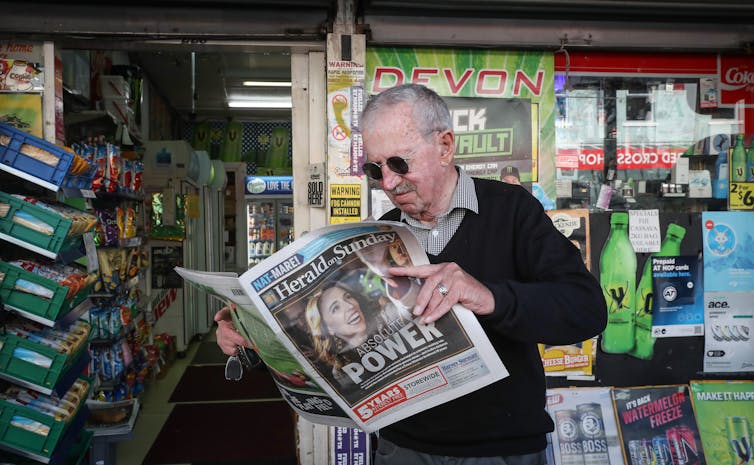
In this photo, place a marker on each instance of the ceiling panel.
(216, 75)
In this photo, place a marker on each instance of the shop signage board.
(268, 185)
(26, 50)
(483, 78)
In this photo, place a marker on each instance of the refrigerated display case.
(269, 215)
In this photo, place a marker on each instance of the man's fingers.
(222, 314)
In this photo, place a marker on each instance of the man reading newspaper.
(494, 251)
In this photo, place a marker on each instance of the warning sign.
(345, 203)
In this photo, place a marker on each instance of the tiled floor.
(155, 409)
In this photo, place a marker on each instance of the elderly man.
(493, 250)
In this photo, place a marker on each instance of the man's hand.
(227, 337)
(462, 288)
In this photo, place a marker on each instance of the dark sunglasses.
(246, 358)
(396, 164)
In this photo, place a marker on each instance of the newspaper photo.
(327, 305)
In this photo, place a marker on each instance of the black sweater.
(543, 293)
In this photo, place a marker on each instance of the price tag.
(88, 194)
(742, 196)
(92, 262)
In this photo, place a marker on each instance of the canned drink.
(661, 449)
(683, 448)
(569, 443)
(638, 452)
(739, 434)
(592, 431)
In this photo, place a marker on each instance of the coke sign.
(736, 79)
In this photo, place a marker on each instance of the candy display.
(60, 408)
(67, 340)
(81, 221)
(113, 173)
(75, 278)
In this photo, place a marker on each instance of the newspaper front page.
(327, 305)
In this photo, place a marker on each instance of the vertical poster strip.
(575, 361)
(345, 100)
(350, 446)
(484, 75)
(728, 291)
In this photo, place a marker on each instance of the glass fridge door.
(260, 224)
(284, 223)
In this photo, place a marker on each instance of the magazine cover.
(657, 425)
(576, 361)
(586, 430)
(328, 299)
(725, 417)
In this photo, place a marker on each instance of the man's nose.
(390, 179)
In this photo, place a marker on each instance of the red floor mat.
(207, 383)
(247, 432)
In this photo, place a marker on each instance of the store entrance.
(234, 104)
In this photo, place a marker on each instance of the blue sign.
(268, 185)
(350, 446)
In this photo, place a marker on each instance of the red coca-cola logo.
(736, 80)
(738, 77)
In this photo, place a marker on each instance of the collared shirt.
(434, 239)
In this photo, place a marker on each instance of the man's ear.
(447, 146)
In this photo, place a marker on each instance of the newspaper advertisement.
(328, 301)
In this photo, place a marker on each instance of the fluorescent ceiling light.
(260, 102)
(266, 84)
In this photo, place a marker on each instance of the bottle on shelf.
(618, 281)
(738, 160)
(671, 247)
(720, 184)
(750, 162)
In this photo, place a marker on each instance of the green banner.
(484, 75)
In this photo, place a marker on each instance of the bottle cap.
(676, 230)
(619, 218)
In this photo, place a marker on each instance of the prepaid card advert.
(332, 301)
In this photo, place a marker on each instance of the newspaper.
(337, 333)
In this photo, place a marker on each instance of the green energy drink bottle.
(738, 161)
(739, 440)
(645, 342)
(618, 281)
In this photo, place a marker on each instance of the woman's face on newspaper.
(342, 313)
